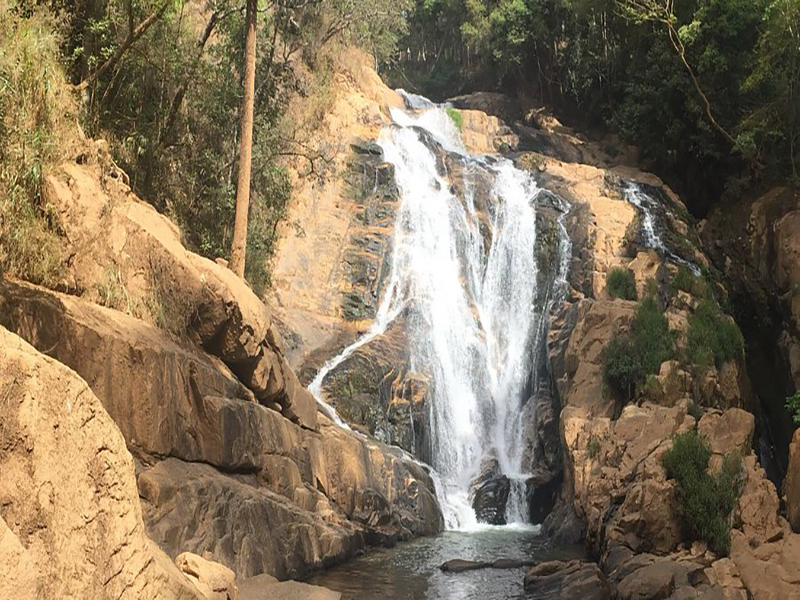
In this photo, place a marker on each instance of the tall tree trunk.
(239, 245)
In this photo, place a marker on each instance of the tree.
(239, 245)
(661, 12)
(134, 33)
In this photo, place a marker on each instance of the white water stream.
(472, 321)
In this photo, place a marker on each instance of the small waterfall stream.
(464, 271)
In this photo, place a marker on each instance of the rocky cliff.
(232, 460)
(596, 451)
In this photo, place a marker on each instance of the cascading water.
(464, 271)
(647, 207)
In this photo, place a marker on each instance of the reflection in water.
(410, 571)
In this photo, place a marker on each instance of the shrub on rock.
(630, 357)
(713, 337)
(621, 284)
(706, 499)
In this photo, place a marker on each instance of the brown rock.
(566, 581)
(213, 580)
(791, 485)
(19, 575)
(731, 431)
(758, 504)
(676, 384)
(68, 483)
(266, 587)
(583, 387)
(770, 571)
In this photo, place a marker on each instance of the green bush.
(37, 129)
(621, 284)
(630, 357)
(712, 337)
(705, 500)
(793, 406)
(687, 281)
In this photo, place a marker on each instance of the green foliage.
(621, 284)
(456, 117)
(706, 500)
(629, 358)
(793, 406)
(36, 120)
(593, 447)
(687, 281)
(712, 337)
(601, 64)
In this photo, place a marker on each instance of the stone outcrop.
(559, 580)
(755, 243)
(488, 492)
(71, 524)
(130, 258)
(191, 366)
(326, 493)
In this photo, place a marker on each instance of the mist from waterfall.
(465, 273)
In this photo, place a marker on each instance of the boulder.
(770, 570)
(729, 431)
(266, 587)
(138, 265)
(657, 580)
(566, 581)
(213, 580)
(68, 483)
(791, 485)
(489, 491)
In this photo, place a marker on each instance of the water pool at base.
(410, 571)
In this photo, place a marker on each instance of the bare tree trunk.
(239, 246)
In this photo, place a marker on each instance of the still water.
(410, 571)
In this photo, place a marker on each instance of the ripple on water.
(410, 571)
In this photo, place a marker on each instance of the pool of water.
(410, 571)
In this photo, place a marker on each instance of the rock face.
(756, 245)
(190, 364)
(559, 580)
(68, 484)
(791, 485)
(329, 489)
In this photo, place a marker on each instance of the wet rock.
(566, 581)
(458, 565)
(489, 493)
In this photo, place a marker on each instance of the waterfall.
(648, 207)
(464, 272)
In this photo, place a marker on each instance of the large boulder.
(137, 264)
(71, 520)
(558, 580)
(214, 581)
